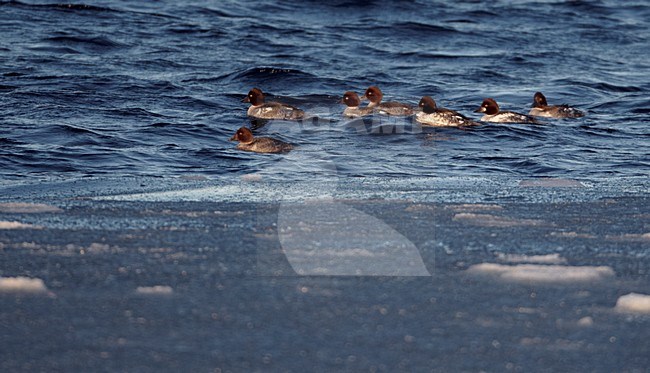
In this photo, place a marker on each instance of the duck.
(374, 95)
(352, 109)
(270, 110)
(432, 115)
(249, 143)
(542, 109)
(492, 113)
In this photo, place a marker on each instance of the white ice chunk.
(487, 220)
(633, 302)
(542, 273)
(154, 290)
(551, 183)
(22, 285)
(546, 259)
(586, 321)
(27, 208)
(17, 225)
(474, 207)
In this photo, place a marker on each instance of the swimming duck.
(374, 95)
(352, 109)
(250, 143)
(491, 111)
(542, 109)
(432, 115)
(270, 110)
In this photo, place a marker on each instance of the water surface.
(114, 88)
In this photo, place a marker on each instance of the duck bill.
(246, 99)
(480, 110)
(234, 138)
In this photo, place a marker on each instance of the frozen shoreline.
(268, 189)
(167, 284)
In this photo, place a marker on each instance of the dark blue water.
(154, 88)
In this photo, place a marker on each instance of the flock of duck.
(426, 113)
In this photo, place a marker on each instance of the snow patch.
(252, 177)
(586, 321)
(551, 183)
(486, 220)
(572, 235)
(542, 273)
(22, 285)
(633, 302)
(27, 208)
(474, 207)
(17, 225)
(635, 237)
(547, 259)
(216, 193)
(154, 290)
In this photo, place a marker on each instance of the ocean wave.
(70, 6)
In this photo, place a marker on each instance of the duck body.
(508, 117)
(249, 143)
(542, 109)
(275, 110)
(357, 112)
(393, 108)
(432, 115)
(374, 95)
(492, 113)
(353, 109)
(270, 110)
